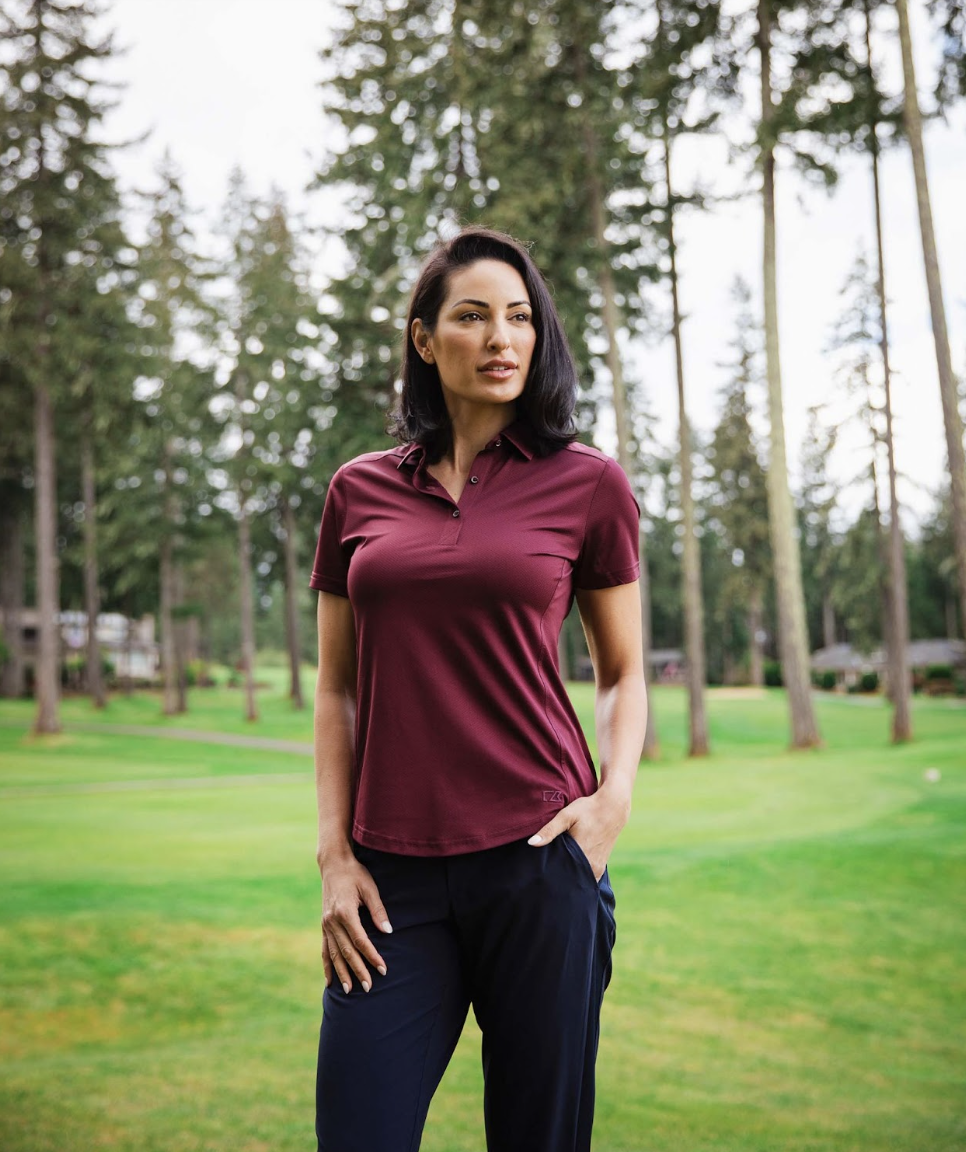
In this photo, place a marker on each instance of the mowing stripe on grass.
(161, 785)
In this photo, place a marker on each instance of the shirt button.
(474, 479)
(456, 512)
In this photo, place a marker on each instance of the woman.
(463, 834)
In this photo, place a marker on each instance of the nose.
(499, 336)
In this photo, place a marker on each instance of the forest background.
(201, 375)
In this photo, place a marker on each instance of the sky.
(235, 82)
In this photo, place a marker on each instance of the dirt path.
(268, 743)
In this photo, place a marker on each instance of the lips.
(499, 367)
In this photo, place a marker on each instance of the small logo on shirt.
(554, 796)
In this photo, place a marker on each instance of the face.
(484, 336)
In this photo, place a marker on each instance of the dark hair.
(550, 393)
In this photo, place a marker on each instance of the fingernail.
(345, 985)
(381, 969)
(535, 840)
(365, 985)
(386, 926)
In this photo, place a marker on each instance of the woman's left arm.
(612, 624)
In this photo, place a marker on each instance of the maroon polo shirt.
(465, 737)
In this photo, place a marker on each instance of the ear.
(423, 340)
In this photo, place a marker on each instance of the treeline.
(169, 418)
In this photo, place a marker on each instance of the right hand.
(346, 884)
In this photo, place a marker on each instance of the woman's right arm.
(345, 882)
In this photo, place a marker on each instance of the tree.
(276, 337)
(171, 457)
(818, 499)
(59, 197)
(952, 418)
(739, 492)
(951, 81)
(861, 334)
(780, 119)
(678, 75)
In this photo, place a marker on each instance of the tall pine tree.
(57, 198)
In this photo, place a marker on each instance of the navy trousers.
(522, 933)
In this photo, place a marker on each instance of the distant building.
(849, 665)
(129, 645)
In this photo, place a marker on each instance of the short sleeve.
(330, 571)
(609, 553)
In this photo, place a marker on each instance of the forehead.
(491, 280)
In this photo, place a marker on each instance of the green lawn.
(789, 971)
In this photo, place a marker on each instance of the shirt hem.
(406, 847)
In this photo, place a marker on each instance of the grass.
(788, 972)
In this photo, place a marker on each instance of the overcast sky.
(225, 82)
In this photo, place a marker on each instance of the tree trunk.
(169, 660)
(47, 664)
(92, 599)
(900, 678)
(947, 380)
(247, 610)
(756, 655)
(291, 604)
(828, 620)
(885, 580)
(792, 634)
(612, 323)
(179, 631)
(13, 679)
(691, 558)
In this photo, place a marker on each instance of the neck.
(474, 428)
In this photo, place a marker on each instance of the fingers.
(326, 960)
(350, 948)
(377, 910)
(560, 823)
(339, 965)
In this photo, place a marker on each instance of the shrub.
(773, 674)
(197, 674)
(869, 682)
(939, 672)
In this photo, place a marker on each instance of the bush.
(197, 675)
(825, 680)
(939, 672)
(869, 682)
(73, 671)
(773, 674)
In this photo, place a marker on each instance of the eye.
(471, 316)
(524, 316)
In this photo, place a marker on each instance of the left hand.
(594, 822)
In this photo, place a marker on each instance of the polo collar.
(519, 434)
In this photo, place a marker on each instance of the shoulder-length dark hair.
(550, 393)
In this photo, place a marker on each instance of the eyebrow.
(483, 303)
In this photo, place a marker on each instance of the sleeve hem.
(611, 579)
(328, 584)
